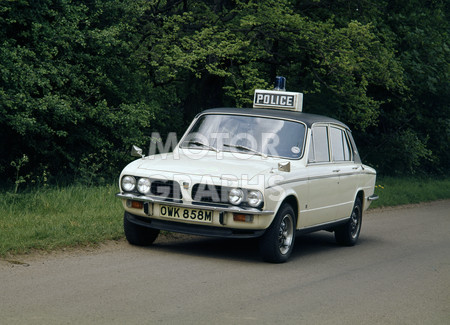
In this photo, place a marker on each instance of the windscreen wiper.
(201, 144)
(237, 146)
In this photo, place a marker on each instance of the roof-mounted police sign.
(278, 100)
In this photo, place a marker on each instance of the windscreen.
(248, 134)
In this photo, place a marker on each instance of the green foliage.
(49, 218)
(244, 46)
(69, 85)
(80, 81)
(18, 164)
(408, 190)
(413, 134)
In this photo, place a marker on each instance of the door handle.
(336, 171)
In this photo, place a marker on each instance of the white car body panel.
(323, 192)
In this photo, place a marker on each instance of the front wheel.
(138, 235)
(277, 243)
(348, 233)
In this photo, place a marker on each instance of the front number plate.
(204, 216)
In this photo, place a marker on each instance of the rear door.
(344, 165)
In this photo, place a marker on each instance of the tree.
(413, 133)
(81, 81)
(243, 47)
(72, 92)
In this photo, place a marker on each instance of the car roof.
(308, 119)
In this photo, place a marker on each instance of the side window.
(339, 145)
(347, 148)
(319, 145)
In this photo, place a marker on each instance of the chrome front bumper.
(195, 205)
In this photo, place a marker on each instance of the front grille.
(209, 193)
(165, 189)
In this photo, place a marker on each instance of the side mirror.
(284, 166)
(136, 152)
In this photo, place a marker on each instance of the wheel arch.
(293, 201)
(360, 195)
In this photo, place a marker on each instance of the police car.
(269, 171)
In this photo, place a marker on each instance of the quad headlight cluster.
(236, 196)
(129, 184)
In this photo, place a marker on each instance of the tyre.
(348, 233)
(277, 243)
(138, 235)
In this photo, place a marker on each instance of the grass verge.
(51, 218)
(398, 191)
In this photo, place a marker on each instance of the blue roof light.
(280, 83)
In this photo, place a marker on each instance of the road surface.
(399, 273)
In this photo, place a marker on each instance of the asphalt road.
(399, 273)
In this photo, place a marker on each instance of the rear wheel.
(277, 243)
(348, 233)
(138, 235)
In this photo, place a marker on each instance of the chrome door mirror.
(284, 166)
(136, 152)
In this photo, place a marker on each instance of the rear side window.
(339, 145)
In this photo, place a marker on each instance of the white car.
(270, 172)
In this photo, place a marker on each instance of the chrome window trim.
(330, 152)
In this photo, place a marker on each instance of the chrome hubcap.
(286, 234)
(355, 223)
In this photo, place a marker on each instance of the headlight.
(235, 196)
(128, 183)
(143, 185)
(254, 198)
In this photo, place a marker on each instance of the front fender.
(276, 196)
